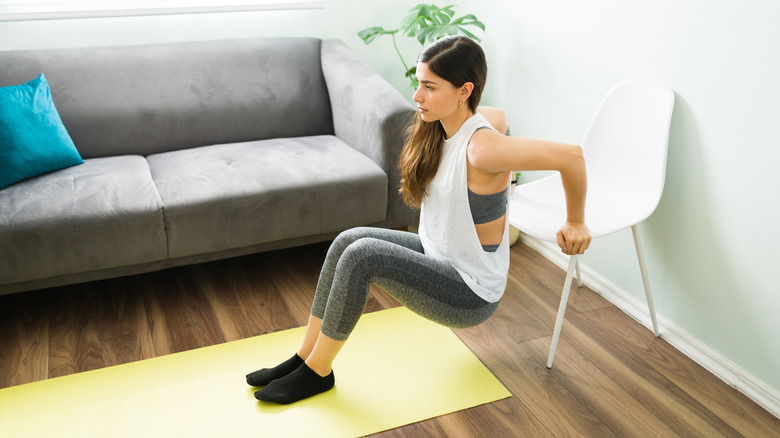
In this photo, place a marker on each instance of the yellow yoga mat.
(397, 368)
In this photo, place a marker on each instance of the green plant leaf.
(469, 34)
(443, 18)
(414, 20)
(369, 35)
(422, 35)
(412, 75)
(444, 15)
(433, 33)
(469, 20)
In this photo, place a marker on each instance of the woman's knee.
(357, 252)
(347, 237)
(342, 241)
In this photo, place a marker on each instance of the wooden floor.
(611, 378)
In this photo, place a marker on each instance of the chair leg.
(562, 308)
(579, 277)
(640, 253)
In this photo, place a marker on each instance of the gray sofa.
(199, 151)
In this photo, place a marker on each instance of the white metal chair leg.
(640, 253)
(562, 308)
(579, 277)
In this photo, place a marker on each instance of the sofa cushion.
(242, 194)
(32, 138)
(101, 214)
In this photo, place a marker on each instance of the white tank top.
(446, 227)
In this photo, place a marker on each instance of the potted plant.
(426, 23)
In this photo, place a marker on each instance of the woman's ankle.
(303, 354)
(321, 368)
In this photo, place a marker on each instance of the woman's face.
(436, 98)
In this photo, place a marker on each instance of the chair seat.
(538, 208)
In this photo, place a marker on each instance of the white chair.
(625, 156)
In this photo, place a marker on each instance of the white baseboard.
(758, 391)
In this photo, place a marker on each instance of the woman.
(456, 169)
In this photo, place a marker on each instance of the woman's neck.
(453, 123)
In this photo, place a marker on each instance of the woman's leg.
(344, 240)
(317, 350)
(394, 261)
(266, 375)
(328, 272)
(310, 337)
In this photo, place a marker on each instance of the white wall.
(711, 242)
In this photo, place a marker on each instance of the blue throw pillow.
(33, 139)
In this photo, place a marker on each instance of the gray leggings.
(395, 261)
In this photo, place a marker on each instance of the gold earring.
(461, 103)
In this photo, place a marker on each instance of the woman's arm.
(490, 152)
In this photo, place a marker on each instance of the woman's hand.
(574, 238)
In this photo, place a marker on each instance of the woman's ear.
(465, 90)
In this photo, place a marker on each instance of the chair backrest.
(626, 142)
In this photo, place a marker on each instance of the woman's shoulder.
(496, 117)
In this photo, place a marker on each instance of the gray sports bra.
(487, 208)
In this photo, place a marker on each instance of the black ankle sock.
(267, 375)
(298, 385)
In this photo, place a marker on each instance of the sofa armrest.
(369, 115)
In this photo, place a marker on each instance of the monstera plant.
(426, 23)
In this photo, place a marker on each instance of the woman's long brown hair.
(457, 60)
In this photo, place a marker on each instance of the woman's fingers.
(574, 239)
(561, 240)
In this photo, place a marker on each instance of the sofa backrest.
(157, 98)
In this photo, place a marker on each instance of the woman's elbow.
(575, 158)
(577, 154)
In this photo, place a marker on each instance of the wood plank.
(372, 302)
(171, 320)
(508, 417)
(216, 284)
(257, 296)
(522, 320)
(124, 331)
(423, 429)
(624, 344)
(208, 323)
(610, 351)
(514, 365)
(298, 280)
(622, 413)
(24, 339)
(546, 275)
(383, 299)
(74, 330)
(726, 402)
